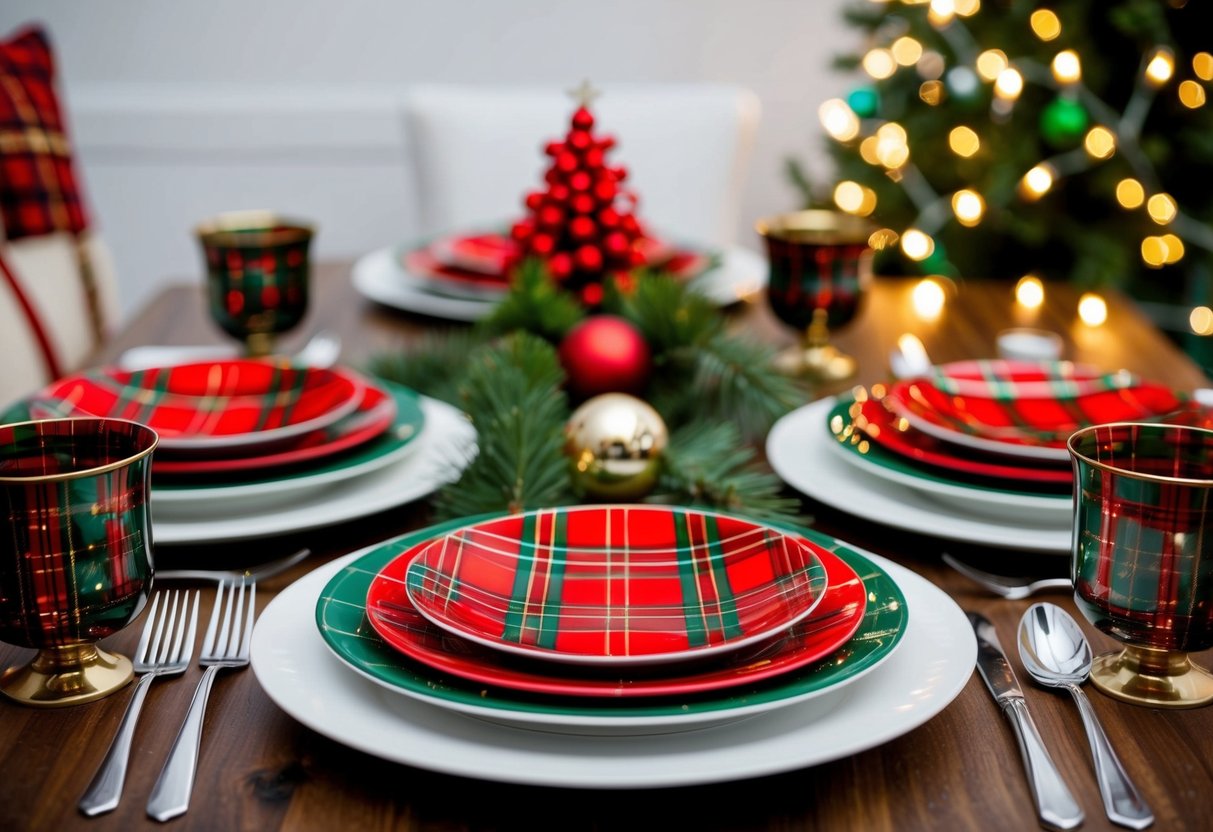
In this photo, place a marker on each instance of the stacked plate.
(978, 447)
(594, 646)
(461, 276)
(250, 448)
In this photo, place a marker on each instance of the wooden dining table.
(261, 770)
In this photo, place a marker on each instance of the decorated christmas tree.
(583, 224)
(1071, 140)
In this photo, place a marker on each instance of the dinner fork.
(1012, 589)
(165, 649)
(171, 794)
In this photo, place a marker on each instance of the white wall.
(330, 149)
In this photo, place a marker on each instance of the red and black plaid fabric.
(39, 193)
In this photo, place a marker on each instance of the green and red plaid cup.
(1143, 533)
(75, 547)
(257, 274)
(818, 260)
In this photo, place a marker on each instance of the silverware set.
(166, 648)
(1055, 654)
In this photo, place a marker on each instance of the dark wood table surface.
(261, 770)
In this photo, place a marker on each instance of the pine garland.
(717, 393)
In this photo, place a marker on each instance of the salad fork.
(171, 795)
(165, 649)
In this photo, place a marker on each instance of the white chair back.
(478, 150)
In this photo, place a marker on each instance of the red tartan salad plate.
(616, 585)
(211, 406)
(1015, 411)
(898, 436)
(374, 415)
(826, 629)
(476, 264)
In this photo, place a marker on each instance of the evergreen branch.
(707, 464)
(534, 304)
(667, 312)
(512, 391)
(426, 366)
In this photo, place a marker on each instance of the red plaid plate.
(475, 264)
(826, 629)
(211, 406)
(898, 436)
(996, 419)
(616, 585)
(374, 415)
(1021, 379)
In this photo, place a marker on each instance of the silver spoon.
(1011, 588)
(1056, 654)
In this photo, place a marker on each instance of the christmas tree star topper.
(584, 94)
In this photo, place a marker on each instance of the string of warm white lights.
(884, 143)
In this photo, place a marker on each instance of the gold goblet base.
(1156, 678)
(63, 676)
(259, 344)
(825, 363)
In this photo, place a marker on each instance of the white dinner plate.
(445, 445)
(380, 277)
(300, 674)
(798, 449)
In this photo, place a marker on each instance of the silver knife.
(1055, 805)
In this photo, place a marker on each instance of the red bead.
(593, 158)
(552, 176)
(583, 203)
(534, 200)
(616, 243)
(559, 192)
(550, 217)
(553, 148)
(543, 244)
(579, 140)
(520, 231)
(629, 225)
(580, 181)
(560, 265)
(582, 228)
(583, 119)
(591, 295)
(637, 257)
(566, 163)
(605, 190)
(621, 173)
(588, 259)
(606, 143)
(608, 218)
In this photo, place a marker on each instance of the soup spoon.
(1056, 654)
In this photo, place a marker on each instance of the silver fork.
(156, 655)
(1010, 588)
(171, 794)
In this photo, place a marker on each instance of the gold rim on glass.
(87, 472)
(1083, 433)
(260, 229)
(816, 226)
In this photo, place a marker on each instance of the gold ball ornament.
(615, 444)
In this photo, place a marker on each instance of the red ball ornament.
(542, 244)
(553, 148)
(605, 190)
(616, 244)
(535, 200)
(594, 158)
(579, 140)
(588, 259)
(520, 231)
(560, 265)
(583, 119)
(566, 163)
(582, 229)
(558, 192)
(606, 142)
(605, 354)
(608, 218)
(583, 203)
(550, 217)
(580, 181)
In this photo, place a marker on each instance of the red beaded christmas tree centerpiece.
(583, 224)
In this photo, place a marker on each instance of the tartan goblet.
(75, 552)
(258, 270)
(819, 269)
(1142, 556)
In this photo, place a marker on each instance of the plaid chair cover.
(41, 201)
